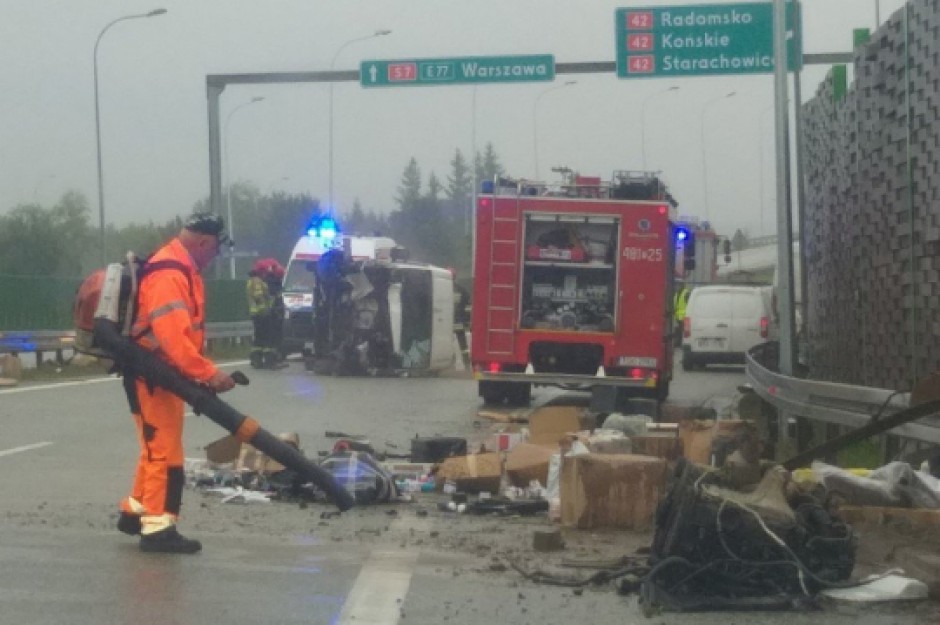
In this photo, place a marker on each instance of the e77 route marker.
(457, 70)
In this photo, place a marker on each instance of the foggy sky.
(153, 103)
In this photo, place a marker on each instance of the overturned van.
(360, 309)
(380, 317)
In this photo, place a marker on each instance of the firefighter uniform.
(260, 306)
(170, 321)
(679, 306)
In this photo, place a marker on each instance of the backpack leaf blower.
(140, 363)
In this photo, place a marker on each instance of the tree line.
(430, 217)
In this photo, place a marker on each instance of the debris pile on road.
(731, 529)
(768, 546)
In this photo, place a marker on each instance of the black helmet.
(207, 223)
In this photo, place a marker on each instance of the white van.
(723, 322)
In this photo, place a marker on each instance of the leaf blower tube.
(138, 362)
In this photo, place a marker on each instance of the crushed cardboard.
(549, 425)
(503, 417)
(606, 490)
(229, 449)
(700, 436)
(657, 445)
(528, 462)
(473, 473)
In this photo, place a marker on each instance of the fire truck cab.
(573, 287)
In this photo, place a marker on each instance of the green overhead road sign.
(455, 71)
(702, 40)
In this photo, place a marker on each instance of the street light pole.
(228, 181)
(704, 160)
(535, 123)
(378, 33)
(471, 214)
(643, 120)
(101, 244)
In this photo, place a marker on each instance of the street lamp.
(228, 180)
(378, 33)
(704, 161)
(154, 13)
(643, 120)
(535, 123)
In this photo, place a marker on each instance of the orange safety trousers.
(160, 477)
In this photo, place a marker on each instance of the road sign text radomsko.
(698, 40)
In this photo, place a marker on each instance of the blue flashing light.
(487, 187)
(324, 228)
(328, 228)
(682, 234)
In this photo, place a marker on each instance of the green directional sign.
(702, 40)
(456, 71)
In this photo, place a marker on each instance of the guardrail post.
(785, 442)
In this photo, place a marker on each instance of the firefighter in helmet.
(260, 306)
(273, 277)
(679, 304)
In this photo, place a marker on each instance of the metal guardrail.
(830, 402)
(54, 340)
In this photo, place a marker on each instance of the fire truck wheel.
(662, 390)
(519, 394)
(493, 393)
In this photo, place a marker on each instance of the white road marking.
(110, 378)
(49, 387)
(378, 594)
(16, 450)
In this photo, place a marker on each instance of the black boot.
(129, 523)
(168, 541)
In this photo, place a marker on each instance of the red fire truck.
(573, 287)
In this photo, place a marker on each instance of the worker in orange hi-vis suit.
(170, 321)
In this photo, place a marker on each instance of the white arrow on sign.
(372, 73)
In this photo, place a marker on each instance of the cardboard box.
(548, 425)
(230, 449)
(472, 474)
(527, 462)
(10, 367)
(699, 436)
(606, 490)
(696, 437)
(666, 445)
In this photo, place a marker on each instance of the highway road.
(67, 452)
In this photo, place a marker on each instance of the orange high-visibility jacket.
(171, 314)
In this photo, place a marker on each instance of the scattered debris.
(879, 589)
(548, 540)
(717, 548)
